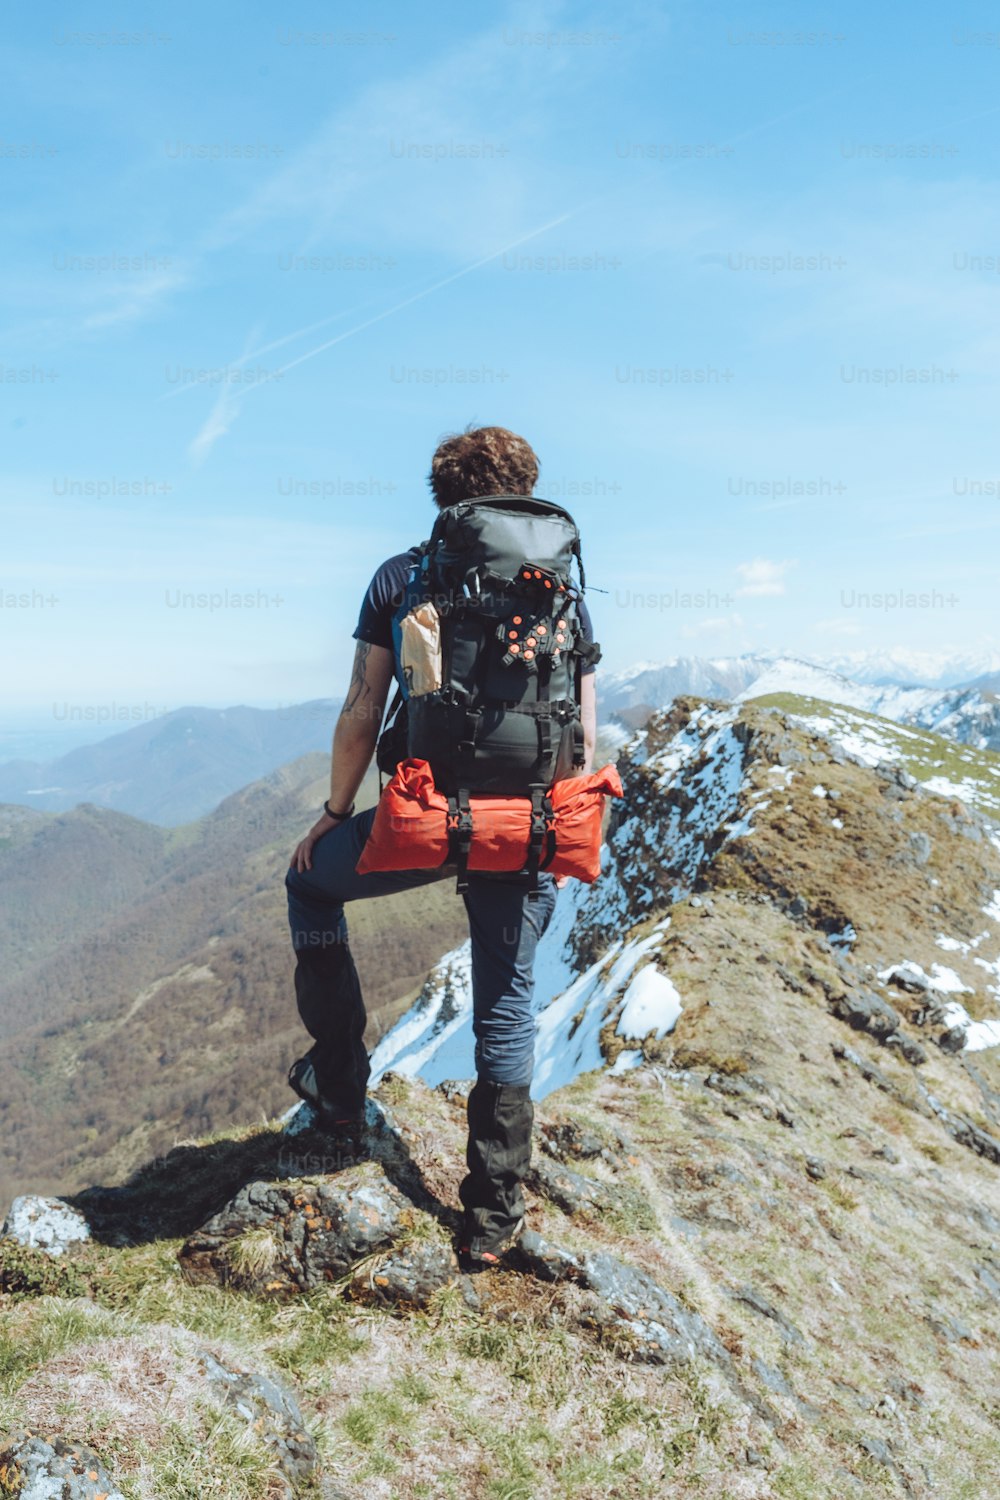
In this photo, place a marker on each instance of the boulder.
(988, 1281)
(752, 1298)
(907, 976)
(952, 1040)
(867, 1070)
(46, 1224)
(456, 1090)
(571, 1191)
(665, 1331)
(951, 1329)
(546, 1261)
(729, 1083)
(865, 1011)
(907, 1048)
(657, 1328)
(292, 1236)
(567, 1140)
(920, 847)
(407, 1278)
(272, 1411)
(52, 1468)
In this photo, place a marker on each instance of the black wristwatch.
(338, 817)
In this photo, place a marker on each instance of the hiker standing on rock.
(490, 643)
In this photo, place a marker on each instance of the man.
(504, 923)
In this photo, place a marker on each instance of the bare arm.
(356, 732)
(354, 739)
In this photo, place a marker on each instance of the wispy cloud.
(136, 298)
(761, 576)
(716, 625)
(225, 410)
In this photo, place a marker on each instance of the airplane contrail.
(212, 429)
(418, 296)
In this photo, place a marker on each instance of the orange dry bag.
(415, 827)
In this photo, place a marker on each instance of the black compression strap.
(542, 827)
(460, 835)
(579, 751)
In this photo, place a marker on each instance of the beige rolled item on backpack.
(420, 650)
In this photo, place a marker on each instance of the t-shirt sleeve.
(375, 620)
(587, 631)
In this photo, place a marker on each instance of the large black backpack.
(505, 719)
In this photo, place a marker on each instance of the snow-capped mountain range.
(655, 683)
(879, 682)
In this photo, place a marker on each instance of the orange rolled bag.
(410, 831)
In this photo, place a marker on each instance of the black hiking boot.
(347, 1130)
(498, 1157)
(485, 1260)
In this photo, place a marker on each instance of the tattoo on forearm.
(359, 688)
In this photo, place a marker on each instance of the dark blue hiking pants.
(504, 926)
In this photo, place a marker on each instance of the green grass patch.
(26, 1272)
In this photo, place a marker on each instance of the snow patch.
(947, 981)
(913, 976)
(978, 1034)
(625, 1060)
(651, 1004)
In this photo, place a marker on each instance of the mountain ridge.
(762, 1255)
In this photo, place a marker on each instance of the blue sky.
(733, 271)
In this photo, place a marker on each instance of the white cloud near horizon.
(762, 576)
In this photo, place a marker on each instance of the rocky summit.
(762, 1250)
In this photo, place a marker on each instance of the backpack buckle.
(460, 828)
(543, 834)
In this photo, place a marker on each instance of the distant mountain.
(968, 713)
(653, 684)
(172, 769)
(939, 669)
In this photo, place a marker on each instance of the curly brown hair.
(482, 461)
